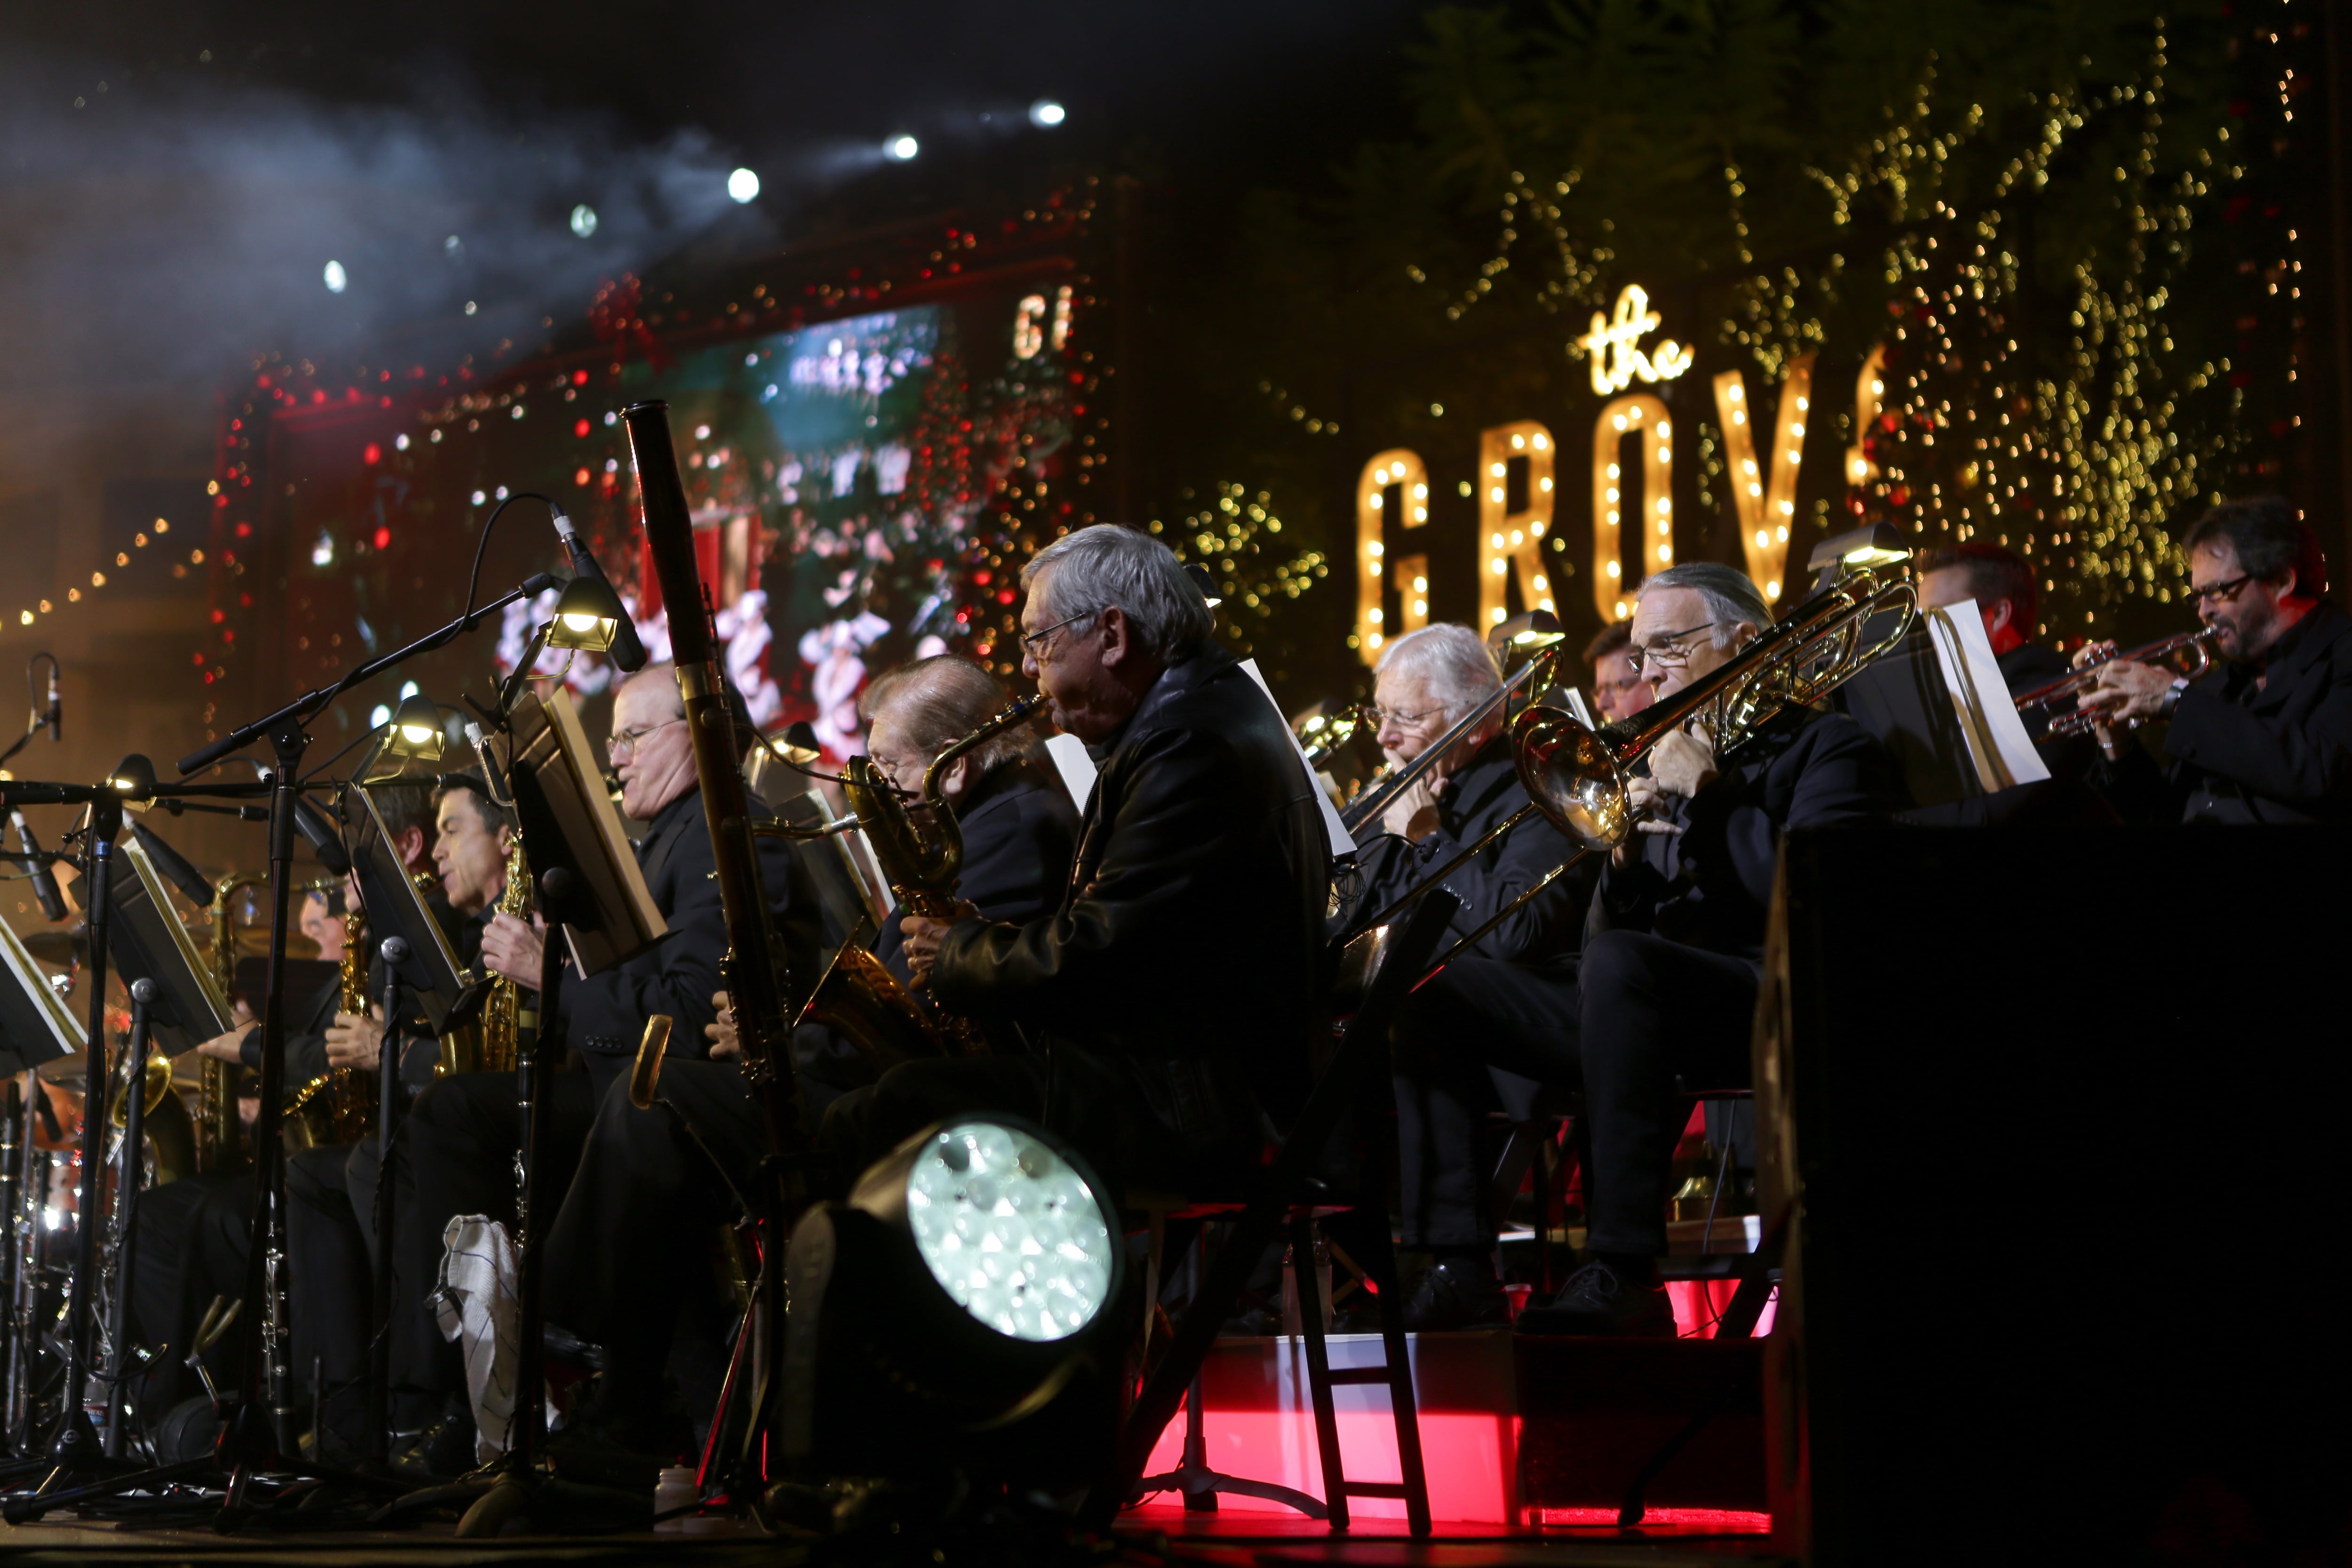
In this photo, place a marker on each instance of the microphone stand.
(126, 1210)
(248, 1442)
(395, 953)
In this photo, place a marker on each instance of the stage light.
(337, 280)
(587, 616)
(742, 184)
(1046, 115)
(901, 149)
(584, 216)
(133, 777)
(415, 730)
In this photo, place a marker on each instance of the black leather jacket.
(1710, 887)
(2239, 753)
(1184, 964)
(1546, 933)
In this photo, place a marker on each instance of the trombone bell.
(1571, 776)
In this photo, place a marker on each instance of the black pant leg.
(213, 1264)
(867, 1123)
(1654, 1010)
(328, 1278)
(164, 1223)
(1476, 1012)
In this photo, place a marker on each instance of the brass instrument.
(219, 1146)
(2189, 654)
(1576, 777)
(339, 1106)
(494, 1042)
(921, 860)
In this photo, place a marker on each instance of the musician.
(625, 1259)
(464, 1135)
(2267, 735)
(1618, 690)
(1175, 988)
(193, 1244)
(1508, 1003)
(2006, 596)
(1675, 941)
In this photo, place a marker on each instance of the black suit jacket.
(604, 1015)
(1020, 833)
(1184, 966)
(1711, 886)
(306, 1040)
(2241, 754)
(1548, 932)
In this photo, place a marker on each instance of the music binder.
(147, 940)
(433, 973)
(36, 1025)
(608, 912)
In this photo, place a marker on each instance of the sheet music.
(2003, 752)
(1333, 828)
(1076, 768)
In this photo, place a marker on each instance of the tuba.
(921, 851)
(339, 1106)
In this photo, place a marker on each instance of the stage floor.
(1151, 1535)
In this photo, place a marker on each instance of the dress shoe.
(1456, 1293)
(1599, 1300)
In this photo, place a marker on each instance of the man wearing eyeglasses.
(1674, 943)
(2266, 736)
(1499, 1019)
(1173, 986)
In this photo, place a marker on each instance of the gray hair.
(943, 698)
(1453, 661)
(1729, 595)
(1105, 566)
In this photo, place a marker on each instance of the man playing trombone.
(2269, 738)
(1673, 945)
(1507, 1003)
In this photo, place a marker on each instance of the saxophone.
(921, 857)
(219, 1145)
(496, 1040)
(339, 1106)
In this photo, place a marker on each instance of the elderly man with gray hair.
(1176, 985)
(1675, 940)
(1501, 1018)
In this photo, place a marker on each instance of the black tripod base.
(1200, 1487)
(511, 1496)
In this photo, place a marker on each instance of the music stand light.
(415, 730)
(588, 616)
(133, 778)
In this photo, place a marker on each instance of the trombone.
(1576, 777)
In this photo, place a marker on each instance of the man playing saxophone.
(2268, 737)
(624, 1260)
(1675, 941)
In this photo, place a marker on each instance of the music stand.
(431, 972)
(609, 916)
(35, 1024)
(148, 940)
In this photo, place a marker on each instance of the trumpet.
(2059, 704)
(1576, 778)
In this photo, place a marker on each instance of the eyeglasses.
(1034, 643)
(2219, 593)
(1667, 652)
(625, 742)
(1382, 718)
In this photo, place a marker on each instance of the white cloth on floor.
(476, 1305)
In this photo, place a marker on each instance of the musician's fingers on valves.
(1683, 762)
(922, 934)
(513, 949)
(725, 1043)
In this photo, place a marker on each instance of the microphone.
(326, 840)
(627, 652)
(56, 715)
(44, 875)
(192, 884)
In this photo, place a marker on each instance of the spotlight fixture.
(337, 280)
(744, 186)
(1046, 115)
(587, 616)
(901, 149)
(965, 1289)
(415, 730)
(584, 216)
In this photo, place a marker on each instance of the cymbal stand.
(126, 1183)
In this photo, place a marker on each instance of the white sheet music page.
(1076, 768)
(1341, 844)
(2003, 752)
